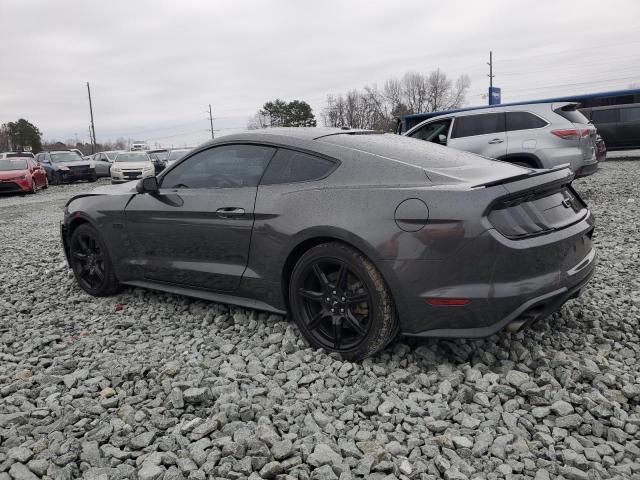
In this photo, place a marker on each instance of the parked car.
(175, 155)
(542, 135)
(21, 174)
(15, 155)
(129, 166)
(79, 152)
(619, 125)
(102, 162)
(359, 235)
(159, 159)
(65, 166)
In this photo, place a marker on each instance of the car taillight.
(571, 133)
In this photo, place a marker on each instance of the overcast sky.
(154, 66)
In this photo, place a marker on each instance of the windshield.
(17, 164)
(132, 157)
(176, 154)
(111, 155)
(18, 154)
(162, 155)
(63, 157)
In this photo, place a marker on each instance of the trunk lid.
(537, 205)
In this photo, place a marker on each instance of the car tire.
(57, 178)
(34, 188)
(91, 263)
(46, 182)
(341, 303)
(93, 178)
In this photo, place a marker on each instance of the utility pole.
(211, 121)
(491, 75)
(93, 127)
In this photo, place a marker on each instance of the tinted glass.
(630, 114)
(132, 157)
(574, 116)
(523, 121)
(228, 166)
(470, 125)
(431, 132)
(288, 166)
(604, 116)
(177, 154)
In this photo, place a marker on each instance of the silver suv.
(538, 135)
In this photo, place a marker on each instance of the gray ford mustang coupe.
(360, 236)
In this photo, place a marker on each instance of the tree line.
(379, 108)
(372, 107)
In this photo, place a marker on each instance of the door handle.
(228, 212)
(495, 140)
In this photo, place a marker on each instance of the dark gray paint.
(174, 241)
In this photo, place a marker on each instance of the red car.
(21, 175)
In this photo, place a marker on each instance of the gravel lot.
(150, 385)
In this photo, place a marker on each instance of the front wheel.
(57, 178)
(33, 189)
(91, 263)
(93, 178)
(341, 303)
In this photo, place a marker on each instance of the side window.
(288, 166)
(227, 166)
(434, 132)
(470, 125)
(630, 114)
(604, 116)
(523, 121)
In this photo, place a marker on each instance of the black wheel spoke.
(311, 295)
(357, 298)
(341, 279)
(84, 245)
(99, 273)
(315, 321)
(355, 324)
(321, 276)
(337, 333)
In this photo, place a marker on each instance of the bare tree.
(378, 109)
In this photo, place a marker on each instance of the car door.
(436, 131)
(482, 133)
(523, 129)
(629, 126)
(196, 230)
(45, 162)
(101, 164)
(607, 123)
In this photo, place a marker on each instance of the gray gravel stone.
(152, 385)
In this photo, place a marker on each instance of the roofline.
(569, 98)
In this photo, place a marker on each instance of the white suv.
(538, 135)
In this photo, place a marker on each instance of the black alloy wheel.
(341, 303)
(90, 262)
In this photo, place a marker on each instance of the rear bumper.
(587, 169)
(505, 281)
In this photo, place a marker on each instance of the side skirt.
(206, 295)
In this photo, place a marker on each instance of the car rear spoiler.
(530, 174)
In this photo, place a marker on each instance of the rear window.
(572, 114)
(523, 121)
(288, 166)
(471, 125)
(630, 114)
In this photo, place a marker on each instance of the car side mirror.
(442, 139)
(147, 185)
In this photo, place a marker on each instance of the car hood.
(132, 165)
(6, 174)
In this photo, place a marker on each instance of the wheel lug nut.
(334, 292)
(342, 310)
(343, 299)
